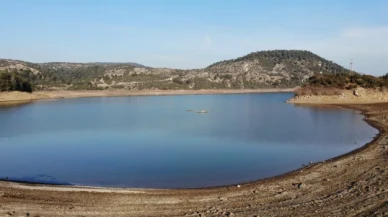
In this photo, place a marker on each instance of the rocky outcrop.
(359, 92)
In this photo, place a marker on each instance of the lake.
(155, 142)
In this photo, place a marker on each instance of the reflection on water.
(39, 178)
(152, 141)
(13, 104)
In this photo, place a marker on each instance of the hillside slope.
(277, 67)
(264, 69)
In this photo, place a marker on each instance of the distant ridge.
(261, 69)
(122, 63)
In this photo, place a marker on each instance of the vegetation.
(334, 84)
(316, 91)
(55, 74)
(347, 81)
(294, 59)
(13, 81)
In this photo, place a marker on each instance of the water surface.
(153, 142)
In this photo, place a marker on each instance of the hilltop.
(263, 69)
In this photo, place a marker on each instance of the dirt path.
(352, 185)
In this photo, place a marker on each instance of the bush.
(347, 81)
(12, 81)
(317, 91)
(177, 80)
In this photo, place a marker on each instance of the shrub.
(318, 91)
(12, 81)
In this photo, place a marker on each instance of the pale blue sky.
(193, 34)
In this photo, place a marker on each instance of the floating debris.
(202, 112)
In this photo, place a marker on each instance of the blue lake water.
(154, 142)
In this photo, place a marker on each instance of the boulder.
(359, 92)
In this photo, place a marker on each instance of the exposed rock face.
(265, 69)
(359, 92)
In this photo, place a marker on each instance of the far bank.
(23, 96)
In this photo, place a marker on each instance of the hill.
(263, 69)
(277, 68)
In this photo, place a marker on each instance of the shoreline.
(357, 96)
(7, 97)
(232, 195)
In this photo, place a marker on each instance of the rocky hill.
(264, 69)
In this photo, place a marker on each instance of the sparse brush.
(318, 91)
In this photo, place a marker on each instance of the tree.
(12, 81)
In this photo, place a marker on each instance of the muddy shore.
(355, 184)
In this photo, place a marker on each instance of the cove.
(156, 142)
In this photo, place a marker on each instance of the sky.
(194, 34)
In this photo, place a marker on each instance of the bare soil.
(20, 96)
(355, 184)
(338, 96)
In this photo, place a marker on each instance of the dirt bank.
(357, 96)
(22, 96)
(355, 184)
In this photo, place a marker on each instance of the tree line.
(13, 81)
(348, 80)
